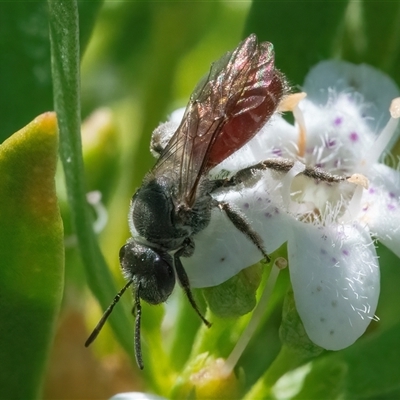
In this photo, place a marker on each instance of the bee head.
(150, 269)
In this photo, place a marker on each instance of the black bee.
(227, 108)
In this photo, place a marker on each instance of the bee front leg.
(241, 223)
(186, 251)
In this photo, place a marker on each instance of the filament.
(279, 264)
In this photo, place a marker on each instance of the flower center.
(316, 200)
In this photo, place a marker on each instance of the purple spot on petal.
(246, 206)
(346, 252)
(277, 152)
(323, 251)
(391, 207)
(353, 136)
(338, 121)
(392, 195)
(334, 260)
(371, 190)
(259, 199)
(330, 143)
(320, 165)
(268, 215)
(276, 210)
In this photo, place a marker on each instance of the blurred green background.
(140, 61)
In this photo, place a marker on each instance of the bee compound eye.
(150, 269)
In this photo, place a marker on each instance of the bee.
(226, 109)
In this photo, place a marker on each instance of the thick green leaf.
(66, 76)
(31, 254)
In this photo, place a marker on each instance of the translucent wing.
(226, 109)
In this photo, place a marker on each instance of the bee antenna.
(106, 314)
(138, 348)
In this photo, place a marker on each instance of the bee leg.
(243, 226)
(283, 165)
(183, 279)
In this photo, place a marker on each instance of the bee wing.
(226, 109)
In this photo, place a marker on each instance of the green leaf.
(88, 11)
(303, 33)
(25, 78)
(322, 379)
(236, 296)
(32, 256)
(101, 139)
(63, 17)
(372, 35)
(382, 29)
(368, 369)
(292, 332)
(374, 368)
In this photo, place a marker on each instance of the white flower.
(329, 228)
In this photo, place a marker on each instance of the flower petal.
(222, 250)
(338, 135)
(381, 206)
(335, 278)
(376, 87)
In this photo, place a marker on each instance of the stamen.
(279, 264)
(297, 168)
(395, 108)
(359, 179)
(299, 117)
(291, 103)
(385, 136)
(354, 206)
